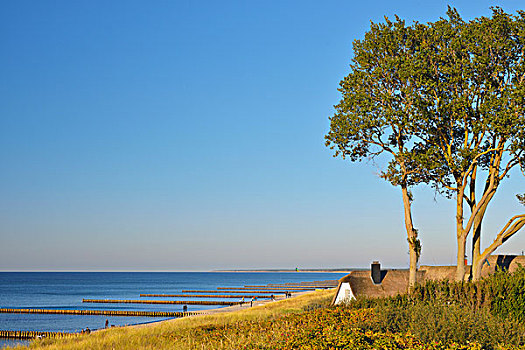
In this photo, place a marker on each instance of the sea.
(65, 290)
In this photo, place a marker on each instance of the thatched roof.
(439, 272)
(507, 262)
(395, 282)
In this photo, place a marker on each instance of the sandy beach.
(223, 310)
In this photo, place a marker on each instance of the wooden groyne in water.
(32, 334)
(101, 312)
(180, 302)
(290, 288)
(265, 296)
(294, 285)
(317, 283)
(312, 283)
(230, 291)
(284, 289)
(272, 290)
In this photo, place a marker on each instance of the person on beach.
(242, 301)
(107, 323)
(272, 297)
(251, 302)
(185, 308)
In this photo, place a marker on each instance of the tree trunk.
(461, 238)
(413, 242)
(515, 224)
(476, 237)
(476, 244)
(477, 260)
(460, 269)
(477, 266)
(412, 277)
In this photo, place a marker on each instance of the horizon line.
(327, 270)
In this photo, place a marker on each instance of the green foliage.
(431, 322)
(501, 293)
(472, 99)
(507, 293)
(489, 312)
(438, 97)
(374, 115)
(415, 244)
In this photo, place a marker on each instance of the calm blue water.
(65, 290)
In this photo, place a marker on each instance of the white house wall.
(344, 293)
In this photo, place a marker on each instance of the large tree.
(471, 93)
(373, 116)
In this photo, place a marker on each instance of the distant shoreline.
(338, 270)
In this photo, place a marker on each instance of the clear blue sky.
(188, 135)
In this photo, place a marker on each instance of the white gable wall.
(344, 293)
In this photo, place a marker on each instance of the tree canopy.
(446, 101)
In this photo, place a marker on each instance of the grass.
(189, 332)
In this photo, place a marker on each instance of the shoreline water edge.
(64, 290)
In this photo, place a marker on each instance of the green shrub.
(489, 312)
(457, 323)
(445, 323)
(502, 293)
(507, 294)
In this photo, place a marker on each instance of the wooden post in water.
(32, 334)
(191, 302)
(100, 312)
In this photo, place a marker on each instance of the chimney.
(376, 272)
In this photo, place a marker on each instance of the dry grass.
(181, 333)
